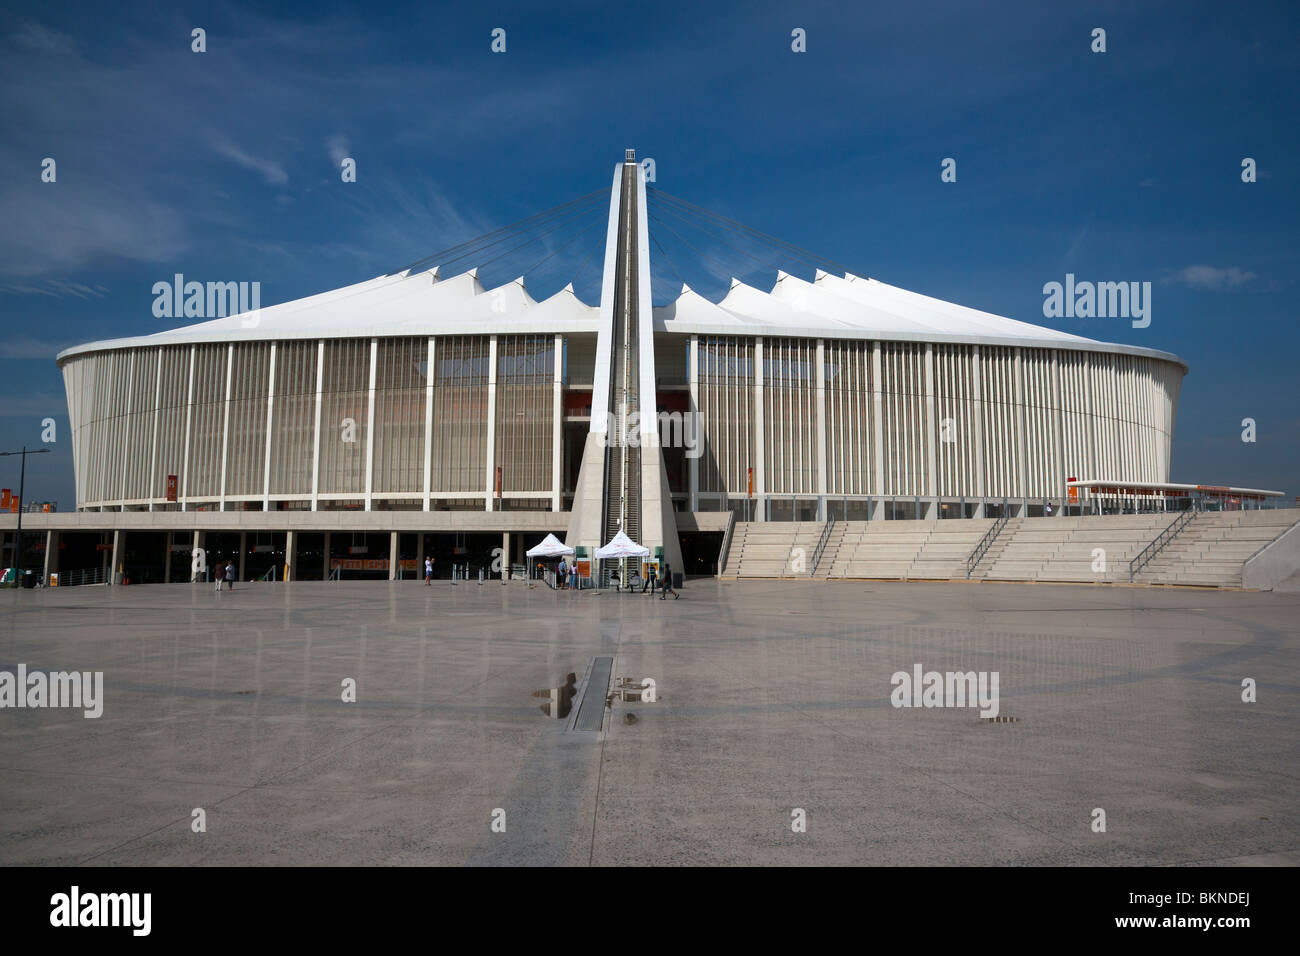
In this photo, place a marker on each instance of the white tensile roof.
(425, 303)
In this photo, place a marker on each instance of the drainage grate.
(591, 709)
(999, 720)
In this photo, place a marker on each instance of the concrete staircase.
(1213, 547)
(772, 549)
(1093, 548)
(905, 550)
(1209, 551)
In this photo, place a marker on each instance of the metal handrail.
(82, 576)
(985, 543)
(821, 547)
(725, 551)
(269, 575)
(1143, 557)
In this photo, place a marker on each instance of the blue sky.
(1121, 166)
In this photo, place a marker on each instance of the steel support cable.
(667, 258)
(555, 222)
(787, 246)
(572, 239)
(529, 242)
(726, 272)
(514, 226)
(782, 244)
(794, 252)
(682, 219)
(687, 216)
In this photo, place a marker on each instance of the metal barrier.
(821, 546)
(1161, 542)
(985, 543)
(269, 575)
(72, 579)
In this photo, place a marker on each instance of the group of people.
(226, 575)
(663, 579)
(566, 576)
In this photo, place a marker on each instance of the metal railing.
(821, 547)
(725, 551)
(72, 579)
(985, 543)
(269, 575)
(1143, 557)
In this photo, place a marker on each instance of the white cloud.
(339, 149)
(1212, 277)
(271, 171)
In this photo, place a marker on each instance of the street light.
(22, 478)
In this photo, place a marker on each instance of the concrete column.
(325, 573)
(167, 564)
(760, 442)
(820, 378)
(289, 555)
(1059, 428)
(428, 422)
(557, 426)
(932, 427)
(877, 423)
(491, 424)
(51, 554)
(320, 397)
(153, 450)
(270, 422)
(978, 401)
(121, 489)
(392, 555)
(196, 545)
(1021, 421)
(117, 552)
(370, 429)
(505, 556)
(189, 417)
(243, 551)
(694, 463)
(225, 425)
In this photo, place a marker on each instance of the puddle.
(559, 700)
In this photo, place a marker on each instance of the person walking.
(562, 575)
(220, 575)
(428, 571)
(666, 584)
(649, 580)
(230, 574)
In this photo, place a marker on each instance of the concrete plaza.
(773, 696)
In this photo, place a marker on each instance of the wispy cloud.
(1211, 277)
(57, 289)
(270, 170)
(338, 148)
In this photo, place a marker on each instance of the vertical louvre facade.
(290, 421)
(726, 409)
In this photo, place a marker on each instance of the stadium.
(424, 403)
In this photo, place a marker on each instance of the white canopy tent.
(621, 546)
(550, 547)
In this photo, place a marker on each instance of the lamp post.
(22, 479)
